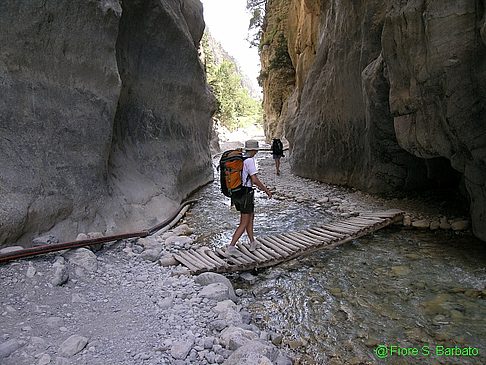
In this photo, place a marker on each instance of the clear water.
(400, 287)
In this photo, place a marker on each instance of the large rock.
(104, 114)
(211, 278)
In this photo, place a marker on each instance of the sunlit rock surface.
(394, 98)
(104, 114)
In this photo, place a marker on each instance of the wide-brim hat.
(251, 145)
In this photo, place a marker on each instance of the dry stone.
(73, 345)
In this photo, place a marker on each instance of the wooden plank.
(330, 233)
(257, 252)
(233, 259)
(361, 223)
(291, 243)
(305, 239)
(189, 255)
(260, 253)
(288, 237)
(386, 214)
(302, 239)
(256, 259)
(287, 249)
(277, 249)
(350, 224)
(325, 236)
(367, 220)
(202, 257)
(216, 258)
(268, 250)
(314, 236)
(331, 227)
(186, 262)
(203, 251)
(350, 230)
(343, 225)
(247, 258)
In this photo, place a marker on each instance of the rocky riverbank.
(119, 306)
(427, 210)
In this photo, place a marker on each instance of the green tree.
(236, 108)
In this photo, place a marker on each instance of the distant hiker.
(277, 152)
(243, 199)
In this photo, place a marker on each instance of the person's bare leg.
(249, 228)
(244, 219)
(277, 163)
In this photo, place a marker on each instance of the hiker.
(277, 153)
(244, 200)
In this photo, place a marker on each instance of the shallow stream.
(421, 291)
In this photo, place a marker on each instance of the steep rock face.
(160, 148)
(80, 150)
(394, 99)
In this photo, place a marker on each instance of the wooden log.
(202, 258)
(261, 253)
(334, 228)
(361, 223)
(296, 246)
(277, 249)
(279, 245)
(216, 258)
(203, 251)
(188, 254)
(305, 239)
(292, 240)
(187, 263)
(328, 232)
(353, 229)
(325, 236)
(269, 251)
(256, 259)
(350, 224)
(233, 259)
(247, 258)
(312, 235)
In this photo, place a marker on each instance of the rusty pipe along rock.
(34, 251)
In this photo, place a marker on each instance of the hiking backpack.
(230, 171)
(277, 147)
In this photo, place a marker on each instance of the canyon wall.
(104, 114)
(385, 97)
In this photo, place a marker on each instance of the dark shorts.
(276, 157)
(245, 201)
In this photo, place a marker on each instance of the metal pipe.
(26, 252)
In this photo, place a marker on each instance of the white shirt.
(249, 169)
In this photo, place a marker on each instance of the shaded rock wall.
(394, 99)
(89, 141)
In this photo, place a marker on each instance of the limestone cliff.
(393, 99)
(104, 114)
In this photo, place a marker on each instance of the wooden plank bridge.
(286, 246)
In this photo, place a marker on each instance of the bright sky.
(227, 21)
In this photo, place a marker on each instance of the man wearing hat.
(244, 202)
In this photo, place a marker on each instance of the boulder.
(253, 353)
(216, 291)
(73, 345)
(210, 278)
(235, 337)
